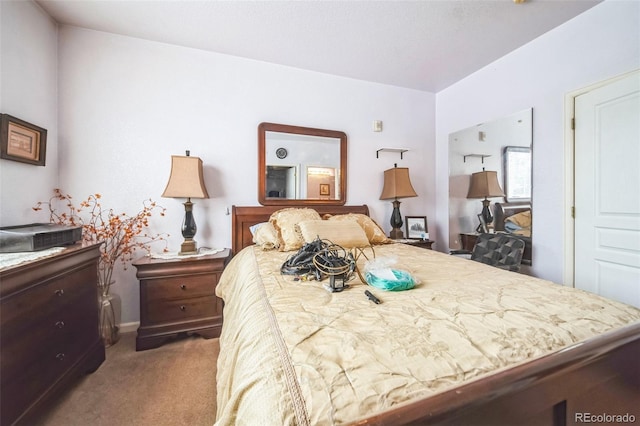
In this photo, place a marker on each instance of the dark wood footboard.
(596, 382)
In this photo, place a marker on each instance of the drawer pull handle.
(182, 286)
(183, 308)
(59, 292)
(60, 324)
(60, 356)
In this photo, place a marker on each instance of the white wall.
(28, 91)
(601, 43)
(126, 105)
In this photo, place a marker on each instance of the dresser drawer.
(57, 333)
(181, 287)
(182, 309)
(17, 310)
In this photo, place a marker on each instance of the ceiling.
(423, 44)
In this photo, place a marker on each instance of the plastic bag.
(382, 274)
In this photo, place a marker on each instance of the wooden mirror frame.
(263, 128)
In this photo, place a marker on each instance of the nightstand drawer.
(181, 287)
(181, 309)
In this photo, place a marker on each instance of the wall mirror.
(301, 165)
(503, 145)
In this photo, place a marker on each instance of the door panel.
(607, 193)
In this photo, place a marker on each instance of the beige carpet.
(170, 385)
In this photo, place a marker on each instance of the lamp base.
(396, 234)
(396, 222)
(188, 247)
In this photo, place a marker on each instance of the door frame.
(569, 174)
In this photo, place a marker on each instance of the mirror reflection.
(502, 150)
(300, 165)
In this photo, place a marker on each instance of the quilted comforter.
(293, 353)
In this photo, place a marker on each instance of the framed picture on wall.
(22, 141)
(325, 189)
(416, 227)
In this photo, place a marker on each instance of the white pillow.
(265, 235)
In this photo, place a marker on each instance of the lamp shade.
(397, 184)
(484, 184)
(186, 179)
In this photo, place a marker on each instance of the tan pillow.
(374, 232)
(266, 237)
(345, 233)
(285, 221)
(522, 219)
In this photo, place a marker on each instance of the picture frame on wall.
(22, 141)
(417, 228)
(325, 189)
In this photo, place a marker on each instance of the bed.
(470, 344)
(515, 218)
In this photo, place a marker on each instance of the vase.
(110, 311)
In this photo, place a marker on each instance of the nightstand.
(426, 244)
(468, 241)
(178, 296)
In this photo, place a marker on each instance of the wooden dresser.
(48, 329)
(178, 296)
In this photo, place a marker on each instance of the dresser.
(177, 296)
(48, 329)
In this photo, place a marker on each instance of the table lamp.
(186, 181)
(485, 184)
(397, 185)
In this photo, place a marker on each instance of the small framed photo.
(417, 227)
(325, 189)
(483, 227)
(22, 141)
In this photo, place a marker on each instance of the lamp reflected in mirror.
(485, 185)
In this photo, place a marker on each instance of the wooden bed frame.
(597, 377)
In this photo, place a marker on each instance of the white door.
(607, 190)
(292, 183)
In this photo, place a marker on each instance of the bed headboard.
(244, 217)
(502, 211)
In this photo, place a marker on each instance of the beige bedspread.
(293, 353)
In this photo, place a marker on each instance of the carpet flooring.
(174, 384)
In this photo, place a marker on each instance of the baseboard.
(129, 327)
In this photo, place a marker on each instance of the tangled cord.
(322, 258)
(334, 260)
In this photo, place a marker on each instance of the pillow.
(254, 228)
(265, 235)
(519, 224)
(285, 220)
(522, 219)
(345, 233)
(374, 232)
